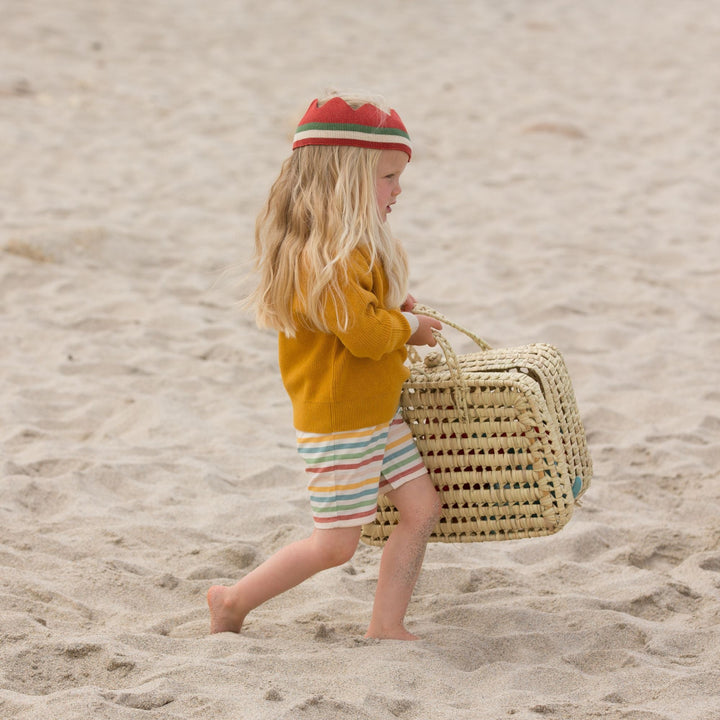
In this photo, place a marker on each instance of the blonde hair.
(321, 208)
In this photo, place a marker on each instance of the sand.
(565, 188)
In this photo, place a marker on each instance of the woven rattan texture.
(544, 364)
(500, 434)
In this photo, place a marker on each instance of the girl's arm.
(372, 330)
(422, 327)
(423, 335)
(409, 304)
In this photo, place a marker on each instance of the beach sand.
(565, 188)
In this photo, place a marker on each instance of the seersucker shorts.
(348, 470)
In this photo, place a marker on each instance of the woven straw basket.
(500, 435)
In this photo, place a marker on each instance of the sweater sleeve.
(372, 330)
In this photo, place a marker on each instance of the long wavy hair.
(321, 208)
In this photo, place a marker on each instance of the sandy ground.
(565, 188)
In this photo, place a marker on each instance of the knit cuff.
(413, 321)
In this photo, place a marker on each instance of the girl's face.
(387, 179)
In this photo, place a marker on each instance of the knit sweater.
(348, 379)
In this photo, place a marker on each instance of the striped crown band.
(336, 123)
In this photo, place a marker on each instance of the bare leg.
(283, 570)
(419, 506)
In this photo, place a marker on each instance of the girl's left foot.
(393, 634)
(223, 616)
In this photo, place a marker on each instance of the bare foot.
(399, 633)
(223, 615)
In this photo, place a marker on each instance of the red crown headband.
(336, 123)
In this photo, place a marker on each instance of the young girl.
(333, 282)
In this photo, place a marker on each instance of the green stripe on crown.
(345, 127)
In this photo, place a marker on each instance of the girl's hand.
(409, 304)
(423, 335)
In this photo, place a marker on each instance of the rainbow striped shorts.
(348, 470)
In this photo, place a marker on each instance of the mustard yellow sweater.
(348, 379)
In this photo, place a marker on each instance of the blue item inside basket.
(577, 486)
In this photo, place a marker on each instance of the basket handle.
(419, 309)
(451, 357)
